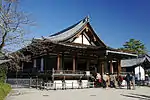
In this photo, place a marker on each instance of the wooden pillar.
(102, 68)
(106, 67)
(22, 65)
(34, 63)
(119, 66)
(42, 64)
(87, 65)
(111, 67)
(58, 61)
(62, 62)
(74, 63)
(99, 66)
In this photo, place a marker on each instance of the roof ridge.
(86, 19)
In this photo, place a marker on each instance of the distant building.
(137, 65)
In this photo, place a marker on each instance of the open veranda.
(140, 93)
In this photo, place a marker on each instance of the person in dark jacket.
(128, 80)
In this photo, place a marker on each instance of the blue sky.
(115, 21)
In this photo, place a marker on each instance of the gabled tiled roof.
(69, 32)
(134, 62)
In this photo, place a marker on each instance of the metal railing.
(72, 85)
(38, 83)
(23, 82)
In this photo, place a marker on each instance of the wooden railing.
(122, 73)
(68, 72)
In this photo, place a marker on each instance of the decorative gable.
(82, 40)
(79, 33)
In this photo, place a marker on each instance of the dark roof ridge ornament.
(87, 19)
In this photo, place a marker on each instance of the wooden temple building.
(73, 51)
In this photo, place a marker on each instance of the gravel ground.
(141, 93)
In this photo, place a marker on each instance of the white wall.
(142, 71)
(79, 40)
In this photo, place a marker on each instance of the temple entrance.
(81, 64)
(50, 62)
(68, 64)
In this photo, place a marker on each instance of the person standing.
(112, 81)
(106, 79)
(133, 81)
(119, 80)
(98, 79)
(128, 80)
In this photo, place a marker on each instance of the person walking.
(128, 80)
(133, 81)
(112, 81)
(119, 80)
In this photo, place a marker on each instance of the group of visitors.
(130, 79)
(114, 81)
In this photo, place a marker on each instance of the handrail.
(65, 85)
(122, 72)
(68, 72)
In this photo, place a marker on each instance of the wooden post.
(119, 66)
(53, 71)
(34, 63)
(22, 65)
(58, 61)
(72, 85)
(106, 66)
(99, 66)
(30, 83)
(102, 68)
(111, 66)
(55, 86)
(87, 65)
(42, 64)
(36, 82)
(74, 63)
(62, 61)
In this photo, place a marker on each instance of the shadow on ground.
(138, 96)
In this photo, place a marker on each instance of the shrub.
(3, 72)
(148, 73)
(4, 90)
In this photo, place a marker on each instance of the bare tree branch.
(12, 22)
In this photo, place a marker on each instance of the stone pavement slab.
(141, 93)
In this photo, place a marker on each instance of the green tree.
(134, 45)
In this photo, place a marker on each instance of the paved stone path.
(141, 93)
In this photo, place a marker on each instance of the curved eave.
(99, 40)
(121, 53)
(69, 32)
